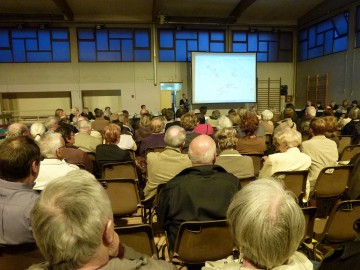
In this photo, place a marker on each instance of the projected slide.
(223, 77)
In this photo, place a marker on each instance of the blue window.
(324, 38)
(177, 45)
(34, 45)
(269, 46)
(114, 45)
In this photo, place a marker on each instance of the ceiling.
(220, 12)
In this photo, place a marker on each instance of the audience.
(88, 114)
(180, 112)
(156, 138)
(288, 116)
(188, 121)
(251, 143)
(214, 117)
(84, 140)
(322, 151)
(266, 123)
(267, 226)
(351, 127)
(165, 165)
(202, 127)
(310, 113)
(289, 157)
(74, 228)
(17, 129)
(223, 122)
(201, 192)
(37, 129)
(19, 167)
(144, 129)
(53, 165)
(51, 124)
(110, 152)
(100, 122)
(230, 159)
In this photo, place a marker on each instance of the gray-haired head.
(37, 129)
(175, 136)
(223, 122)
(69, 220)
(16, 130)
(50, 145)
(267, 115)
(266, 223)
(310, 112)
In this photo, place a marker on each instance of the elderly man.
(201, 192)
(100, 122)
(310, 113)
(165, 165)
(53, 166)
(84, 140)
(19, 167)
(51, 124)
(267, 225)
(17, 129)
(74, 228)
(156, 139)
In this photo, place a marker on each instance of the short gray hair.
(310, 111)
(223, 122)
(202, 150)
(84, 125)
(288, 136)
(51, 121)
(267, 115)
(175, 136)
(266, 223)
(16, 130)
(49, 144)
(69, 218)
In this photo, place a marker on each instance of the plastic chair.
(310, 215)
(123, 194)
(349, 152)
(344, 141)
(150, 205)
(256, 161)
(117, 170)
(139, 237)
(294, 181)
(339, 226)
(200, 241)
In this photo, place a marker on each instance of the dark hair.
(16, 157)
(65, 132)
(126, 113)
(180, 112)
(169, 114)
(203, 109)
(288, 112)
(99, 113)
(200, 117)
(143, 106)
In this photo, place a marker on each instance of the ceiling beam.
(240, 8)
(65, 9)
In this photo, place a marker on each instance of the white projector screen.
(223, 77)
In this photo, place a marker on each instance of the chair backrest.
(344, 141)
(294, 181)
(310, 216)
(349, 152)
(256, 161)
(123, 194)
(116, 170)
(332, 181)
(139, 237)
(200, 241)
(19, 256)
(339, 226)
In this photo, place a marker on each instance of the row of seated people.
(76, 207)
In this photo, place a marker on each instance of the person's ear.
(108, 236)
(35, 168)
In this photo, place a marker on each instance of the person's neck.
(201, 164)
(100, 259)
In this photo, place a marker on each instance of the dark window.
(269, 46)
(324, 38)
(177, 45)
(34, 45)
(357, 29)
(114, 45)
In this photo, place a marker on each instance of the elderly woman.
(144, 128)
(289, 158)
(267, 226)
(189, 121)
(229, 158)
(288, 115)
(223, 122)
(250, 143)
(110, 152)
(37, 129)
(266, 122)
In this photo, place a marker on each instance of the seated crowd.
(48, 191)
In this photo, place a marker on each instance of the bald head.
(17, 129)
(202, 151)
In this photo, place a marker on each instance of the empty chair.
(294, 181)
(116, 170)
(339, 226)
(123, 194)
(139, 237)
(200, 241)
(349, 152)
